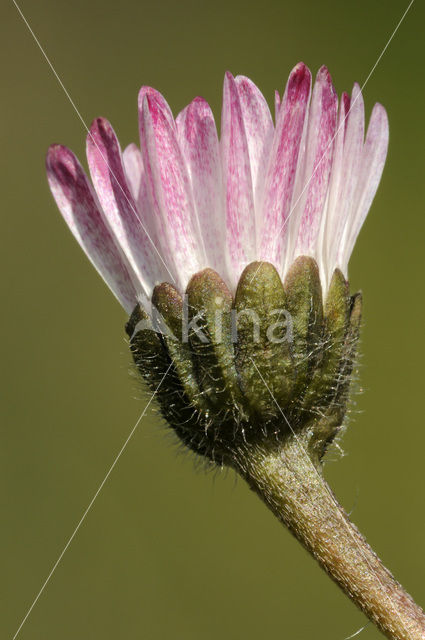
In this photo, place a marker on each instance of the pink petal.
(353, 146)
(333, 224)
(119, 207)
(259, 129)
(277, 102)
(239, 195)
(169, 187)
(78, 205)
(371, 166)
(316, 163)
(283, 164)
(197, 135)
(346, 106)
(136, 180)
(344, 179)
(133, 167)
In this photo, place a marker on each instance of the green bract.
(274, 359)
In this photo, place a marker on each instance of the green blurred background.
(167, 551)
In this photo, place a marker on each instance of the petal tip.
(300, 75)
(199, 107)
(381, 109)
(53, 152)
(60, 158)
(98, 127)
(229, 80)
(380, 117)
(299, 83)
(300, 71)
(324, 75)
(357, 90)
(144, 91)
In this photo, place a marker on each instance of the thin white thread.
(340, 126)
(90, 505)
(310, 463)
(88, 131)
(356, 633)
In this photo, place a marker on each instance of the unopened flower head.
(260, 221)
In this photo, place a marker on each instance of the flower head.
(257, 228)
(186, 200)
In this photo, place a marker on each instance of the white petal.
(316, 165)
(169, 187)
(344, 177)
(283, 162)
(239, 194)
(197, 135)
(78, 205)
(372, 163)
(120, 210)
(259, 130)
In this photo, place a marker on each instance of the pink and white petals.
(310, 194)
(277, 103)
(259, 130)
(168, 187)
(351, 158)
(198, 139)
(119, 208)
(346, 170)
(370, 170)
(333, 223)
(136, 180)
(80, 209)
(282, 166)
(185, 200)
(238, 184)
(134, 171)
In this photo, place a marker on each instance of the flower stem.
(294, 489)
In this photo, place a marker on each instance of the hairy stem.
(296, 492)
